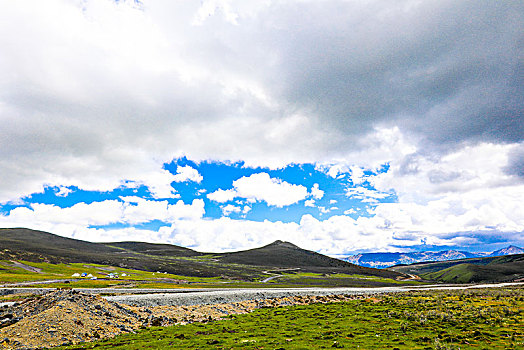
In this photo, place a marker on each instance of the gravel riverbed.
(207, 297)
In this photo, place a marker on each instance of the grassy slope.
(37, 246)
(471, 273)
(476, 319)
(287, 255)
(155, 249)
(490, 269)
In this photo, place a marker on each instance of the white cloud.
(222, 196)
(187, 173)
(96, 213)
(487, 208)
(159, 183)
(477, 217)
(357, 175)
(365, 193)
(316, 193)
(228, 209)
(309, 203)
(323, 210)
(262, 187)
(63, 191)
(335, 170)
(419, 178)
(130, 210)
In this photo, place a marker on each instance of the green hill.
(155, 249)
(490, 269)
(288, 255)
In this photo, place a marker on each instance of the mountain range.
(37, 246)
(383, 260)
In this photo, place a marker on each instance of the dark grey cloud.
(439, 176)
(516, 162)
(449, 71)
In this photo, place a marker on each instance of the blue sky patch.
(334, 195)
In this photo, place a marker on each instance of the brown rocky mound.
(68, 317)
(63, 317)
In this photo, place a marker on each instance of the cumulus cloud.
(323, 210)
(316, 192)
(158, 183)
(187, 173)
(128, 210)
(309, 203)
(222, 196)
(262, 187)
(229, 208)
(63, 191)
(420, 177)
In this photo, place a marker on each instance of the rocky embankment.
(68, 317)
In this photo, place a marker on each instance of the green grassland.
(62, 274)
(9, 273)
(471, 319)
(473, 273)
(335, 280)
(462, 273)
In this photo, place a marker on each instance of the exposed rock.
(68, 317)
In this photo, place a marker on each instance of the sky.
(219, 125)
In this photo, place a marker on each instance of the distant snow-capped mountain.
(383, 260)
(508, 251)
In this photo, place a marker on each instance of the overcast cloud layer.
(101, 94)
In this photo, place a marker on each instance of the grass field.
(9, 273)
(131, 278)
(334, 280)
(472, 319)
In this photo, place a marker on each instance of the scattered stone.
(68, 317)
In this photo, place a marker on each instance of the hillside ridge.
(39, 246)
